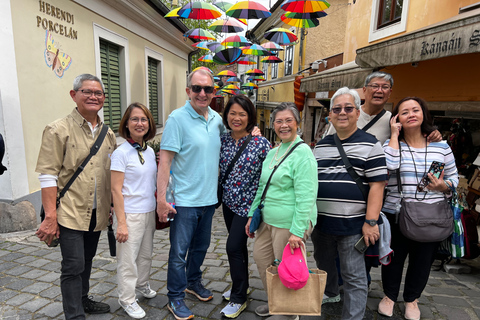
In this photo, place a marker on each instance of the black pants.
(78, 249)
(420, 258)
(237, 252)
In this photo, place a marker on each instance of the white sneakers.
(147, 292)
(133, 310)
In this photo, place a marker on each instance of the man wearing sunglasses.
(190, 149)
(345, 217)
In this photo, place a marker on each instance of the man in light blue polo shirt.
(190, 148)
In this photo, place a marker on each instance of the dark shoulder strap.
(374, 120)
(399, 181)
(349, 167)
(237, 155)
(93, 151)
(264, 194)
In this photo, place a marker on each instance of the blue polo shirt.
(196, 143)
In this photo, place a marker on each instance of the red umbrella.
(254, 72)
(226, 26)
(199, 10)
(305, 6)
(227, 73)
(246, 60)
(271, 59)
(236, 41)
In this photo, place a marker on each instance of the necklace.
(415, 166)
(276, 160)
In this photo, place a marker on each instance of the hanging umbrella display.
(305, 5)
(305, 15)
(206, 58)
(201, 45)
(246, 60)
(254, 72)
(248, 10)
(216, 78)
(173, 13)
(214, 46)
(226, 26)
(233, 79)
(256, 78)
(249, 85)
(236, 41)
(271, 59)
(272, 46)
(256, 50)
(281, 36)
(216, 86)
(227, 73)
(300, 23)
(199, 33)
(227, 56)
(231, 87)
(199, 11)
(223, 5)
(229, 92)
(203, 68)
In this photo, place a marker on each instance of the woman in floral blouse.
(239, 191)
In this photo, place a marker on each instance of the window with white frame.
(288, 60)
(265, 69)
(154, 81)
(388, 17)
(275, 68)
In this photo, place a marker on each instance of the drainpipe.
(190, 60)
(302, 38)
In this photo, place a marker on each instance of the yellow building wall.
(421, 13)
(44, 97)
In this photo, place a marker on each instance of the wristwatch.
(372, 222)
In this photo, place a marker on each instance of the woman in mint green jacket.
(289, 211)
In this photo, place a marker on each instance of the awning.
(347, 75)
(454, 36)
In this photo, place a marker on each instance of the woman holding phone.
(409, 150)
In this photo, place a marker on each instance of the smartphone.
(436, 169)
(361, 246)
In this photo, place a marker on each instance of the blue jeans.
(78, 249)
(352, 266)
(190, 231)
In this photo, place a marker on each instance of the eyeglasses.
(198, 89)
(137, 120)
(337, 110)
(287, 121)
(375, 87)
(88, 93)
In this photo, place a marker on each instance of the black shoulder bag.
(374, 120)
(229, 169)
(257, 214)
(93, 151)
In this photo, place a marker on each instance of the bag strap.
(93, 151)
(351, 171)
(374, 120)
(399, 180)
(237, 155)
(264, 194)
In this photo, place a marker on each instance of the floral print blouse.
(241, 185)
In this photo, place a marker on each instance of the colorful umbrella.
(256, 50)
(231, 87)
(256, 78)
(226, 26)
(214, 46)
(206, 58)
(230, 92)
(306, 15)
(201, 45)
(223, 5)
(227, 73)
(236, 41)
(216, 78)
(271, 59)
(199, 11)
(272, 46)
(305, 5)
(227, 56)
(281, 36)
(233, 79)
(216, 86)
(300, 23)
(248, 10)
(173, 13)
(203, 68)
(199, 33)
(254, 72)
(246, 60)
(249, 85)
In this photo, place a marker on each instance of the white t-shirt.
(140, 181)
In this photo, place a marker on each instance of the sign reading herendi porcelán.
(53, 26)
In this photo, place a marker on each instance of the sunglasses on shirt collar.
(198, 89)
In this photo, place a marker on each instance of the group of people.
(301, 194)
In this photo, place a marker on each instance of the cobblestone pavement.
(29, 283)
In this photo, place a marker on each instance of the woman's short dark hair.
(246, 105)
(152, 128)
(427, 126)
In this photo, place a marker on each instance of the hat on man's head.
(293, 270)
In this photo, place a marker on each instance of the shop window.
(288, 60)
(110, 66)
(154, 62)
(275, 68)
(265, 70)
(388, 17)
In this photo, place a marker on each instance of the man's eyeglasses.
(375, 87)
(137, 120)
(337, 110)
(198, 89)
(88, 93)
